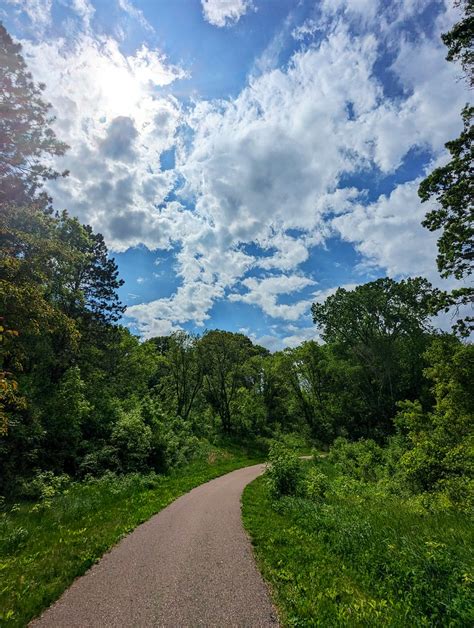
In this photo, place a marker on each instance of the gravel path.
(189, 565)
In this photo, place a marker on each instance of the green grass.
(361, 560)
(42, 549)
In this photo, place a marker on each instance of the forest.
(384, 400)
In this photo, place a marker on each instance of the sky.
(245, 158)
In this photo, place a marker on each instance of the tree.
(9, 397)
(323, 388)
(92, 283)
(32, 260)
(185, 371)
(383, 326)
(223, 355)
(460, 40)
(452, 186)
(439, 444)
(26, 136)
(65, 411)
(132, 439)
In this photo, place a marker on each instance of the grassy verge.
(356, 560)
(44, 547)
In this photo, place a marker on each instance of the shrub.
(97, 462)
(315, 484)
(284, 472)
(362, 460)
(44, 486)
(132, 439)
(438, 445)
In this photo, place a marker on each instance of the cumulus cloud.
(224, 12)
(265, 168)
(265, 292)
(119, 139)
(117, 126)
(389, 235)
(270, 162)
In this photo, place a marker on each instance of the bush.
(438, 445)
(362, 460)
(97, 462)
(132, 439)
(293, 440)
(284, 472)
(44, 486)
(315, 484)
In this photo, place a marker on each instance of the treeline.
(80, 395)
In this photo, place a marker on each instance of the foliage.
(315, 484)
(44, 547)
(460, 40)
(224, 355)
(439, 448)
(381, 328)
(44, 487)
(451, 188)
(284, 472)
(361, 460)
(132, 439)
(9, 397)
(26, 137)
(185, 372)
(347, 558)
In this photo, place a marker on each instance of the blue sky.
(244, 158)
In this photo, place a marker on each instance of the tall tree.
(185, 371)
(223, 355)
(383, 325)
(452, 186)
(26, 136)
(460, 40)
(93, 280)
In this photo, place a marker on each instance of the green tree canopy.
(451, 188)
(381, 326)
(460, 40)
(26, 136)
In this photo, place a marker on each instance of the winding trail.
(189, 565)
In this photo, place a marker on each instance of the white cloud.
(85, 10)
(129, 8)
(389, 235)
(269, 341)
(38, 12)
(365, 9)
(307, 29)
(299, 335)
(265, 292)
(225, 12)
(109, 112)
(270, 161)
(263, 168)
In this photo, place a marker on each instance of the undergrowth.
(46, 544)
(347, 555)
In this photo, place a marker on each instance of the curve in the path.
(189, 565)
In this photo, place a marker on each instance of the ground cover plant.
(344, 552)
(45, 544)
